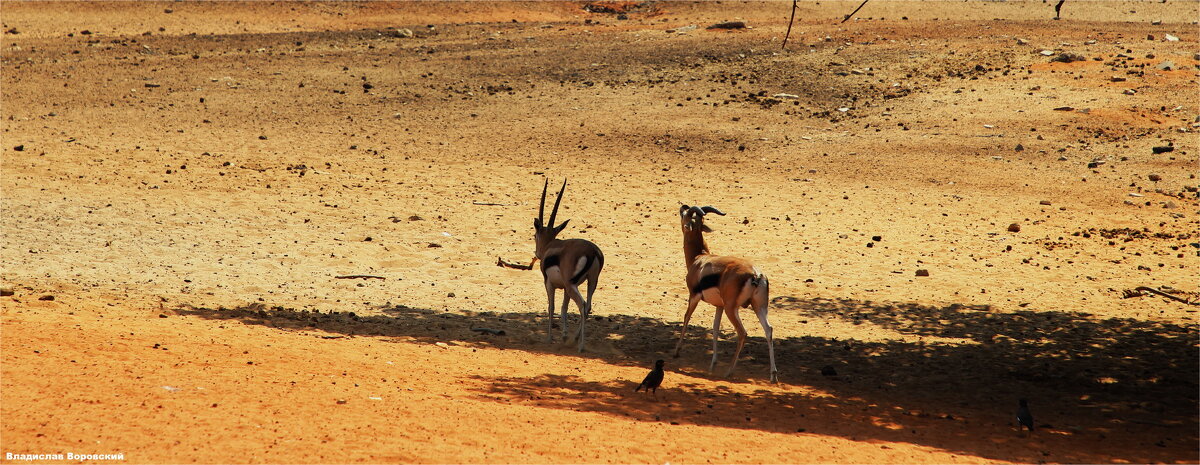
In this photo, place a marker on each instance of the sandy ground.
(183, 182)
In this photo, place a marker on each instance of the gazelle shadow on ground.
(1130, 380)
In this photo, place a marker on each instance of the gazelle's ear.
(561, 227)
(705, 228)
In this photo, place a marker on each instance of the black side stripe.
(706, 282)
(578, 278)
(548, 262)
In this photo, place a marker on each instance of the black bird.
(1024, 418)
(653, 379)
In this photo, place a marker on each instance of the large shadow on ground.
(1126, 387)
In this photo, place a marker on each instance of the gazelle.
(729, 283)
(566, 263)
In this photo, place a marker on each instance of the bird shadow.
(948, 377)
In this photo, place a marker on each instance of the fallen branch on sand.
(359, 276)
(507, 264)
(490, 204)
(494, 332)
(1142, 290)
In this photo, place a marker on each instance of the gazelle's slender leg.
(550, 321)
(572, 292)
(563, 313)
(762, 319)
(695, 299)
(732, 310)
(716, 335)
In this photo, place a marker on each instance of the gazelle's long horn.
(708, 209)
(694, 211)
(542, 206)
(554, 213)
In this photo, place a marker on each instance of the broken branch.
(847, 18)
(359, 276)
(507, 264)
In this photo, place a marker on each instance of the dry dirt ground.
(183, 182)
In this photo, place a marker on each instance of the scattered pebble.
(1155, 177)
(46, 297)
(828, 370)
(1014, 227)
(1162, 149)
(1170, 38)
(922, 272)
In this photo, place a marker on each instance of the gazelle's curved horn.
(708, 209)
(554, 213)
(696, 211)
(542, 205)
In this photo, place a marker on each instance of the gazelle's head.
(545, 233)
(692, 218)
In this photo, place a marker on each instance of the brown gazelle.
(729, 283)
(566, 263)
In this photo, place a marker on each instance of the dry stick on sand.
(790, 21)
(847, 18)
(359, 276)
(1139, 291)
(501, 262)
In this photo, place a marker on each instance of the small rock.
(19, 148)
(1149, 36)
(1044, 202)
(622, 17)
(1116, 79)
(1155, 177)
(1162, 149)
(1167, 65)
(1021, 41)
(46, 297)
(877, 238)
(1047, 52)
(729, 25)
(1068, 58)
(791, 96)
(1170, 38)
(1129, 92)
(1019, 148)
(262, 137)
(341, 401)
(6, 291)
(1064, 109)
(1014, 227)
(404, 33)
(828, 370)
(922, 272)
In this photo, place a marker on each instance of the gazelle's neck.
(694, 245)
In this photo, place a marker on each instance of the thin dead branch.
(359, 276)
(847, 18)
(507, 264)
(790, 21)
